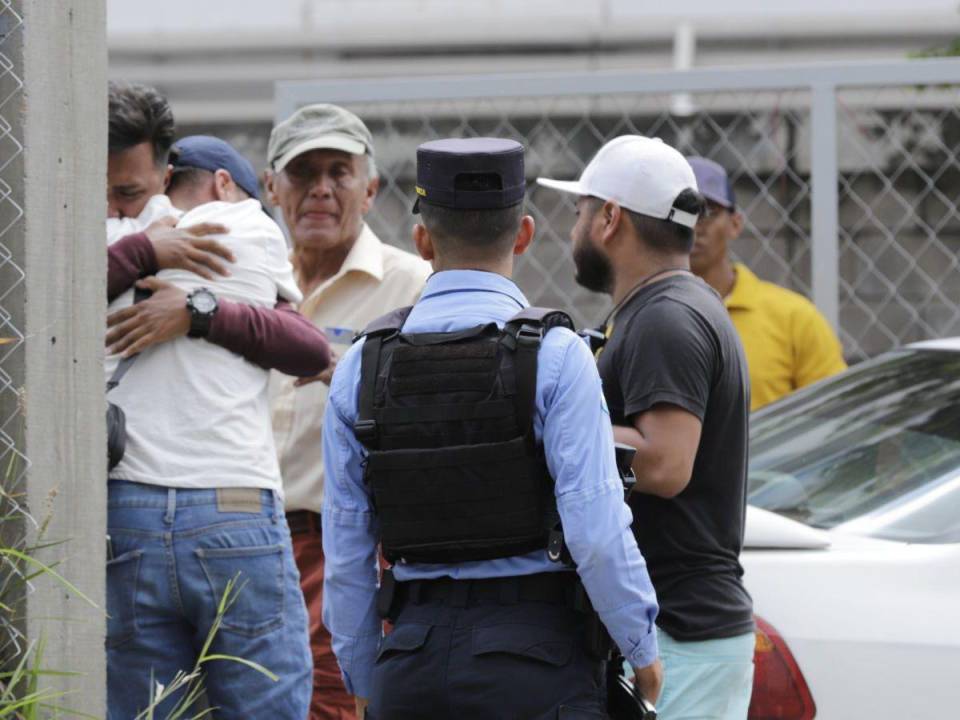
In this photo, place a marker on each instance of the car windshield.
(876, 448)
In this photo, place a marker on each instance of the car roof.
(951, 344)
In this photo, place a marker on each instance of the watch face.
(203, 302)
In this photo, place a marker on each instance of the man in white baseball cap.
(676, 384)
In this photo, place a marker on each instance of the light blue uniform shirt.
(573, 424)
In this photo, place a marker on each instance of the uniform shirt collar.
(458, 281)
(746, 290)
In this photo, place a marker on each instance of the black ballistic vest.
(454, 467)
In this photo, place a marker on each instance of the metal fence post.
(64, 131)
(824, 198)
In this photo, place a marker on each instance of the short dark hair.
(139, 114)
(187, 178)
(473, 234)
(666, 235)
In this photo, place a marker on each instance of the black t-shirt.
(673, 343)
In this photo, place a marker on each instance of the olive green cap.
(317, 127)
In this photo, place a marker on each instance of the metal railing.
(847, 175)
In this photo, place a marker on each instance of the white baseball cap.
(639, 173)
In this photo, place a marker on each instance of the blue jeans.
(706, 680)
(171, 553)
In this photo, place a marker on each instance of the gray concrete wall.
(64, 132)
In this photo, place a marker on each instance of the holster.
(387, 596)
(596, 639)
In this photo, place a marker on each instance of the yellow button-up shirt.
(374, 279)
(788, 343)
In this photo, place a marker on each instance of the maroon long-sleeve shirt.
(276, 338)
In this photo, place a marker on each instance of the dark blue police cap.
(470, 174)
(210, 153)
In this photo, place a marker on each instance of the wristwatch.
(202, 304)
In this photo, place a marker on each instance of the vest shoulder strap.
(391, 322)
(524, 333)
(365, 428)
(547, 318)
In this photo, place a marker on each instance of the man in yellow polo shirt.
(788, 343)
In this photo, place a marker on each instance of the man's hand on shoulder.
(189, 248)
(161, 317)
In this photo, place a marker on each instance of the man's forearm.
(272, 338)
(277, 338)
(646, 464)
(651, 469)
(129, 259)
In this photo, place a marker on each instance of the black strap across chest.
(139, 294)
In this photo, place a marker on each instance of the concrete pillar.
(62, 125)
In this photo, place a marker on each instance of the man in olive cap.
(323, 180)
(468, 438)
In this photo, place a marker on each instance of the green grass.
(191, 683)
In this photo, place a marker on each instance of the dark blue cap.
(210, 153)
(470, 174)
(712, 181)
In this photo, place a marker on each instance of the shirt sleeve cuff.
(645, 402)
(645, 651)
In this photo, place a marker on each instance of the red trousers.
(330, 700)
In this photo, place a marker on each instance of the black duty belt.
(553, 588)
(303, 521)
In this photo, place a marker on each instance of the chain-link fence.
(756, 136)
(895, 218)
(899, 223)
(14, 518)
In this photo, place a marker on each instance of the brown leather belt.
(303, 521)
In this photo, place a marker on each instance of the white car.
(852, 550)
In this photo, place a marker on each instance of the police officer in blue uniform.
(467, 437)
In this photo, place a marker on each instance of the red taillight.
(779, 690)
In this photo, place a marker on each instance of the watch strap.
(200, 321)
(199, 324)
